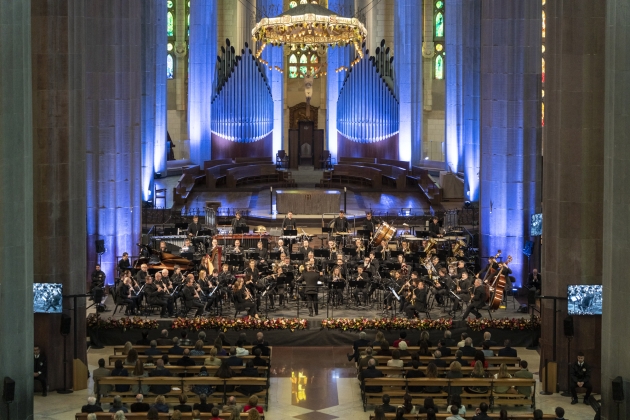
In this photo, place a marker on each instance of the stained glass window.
(309, 63)
(542, 65)
(292, 4)
(314, 59)
(293, 72)
(303, 59)
(170, 24)
(439, 67)
(293, 59)
(439, 25)
(302, 71)
(169, 66)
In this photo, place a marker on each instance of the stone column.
(614, 329)
(113, 89)
(462, 91)
(16, 207)
(510, 126)
(58, 48)
(573, 171)
(408, 70)
(203, 57)
(160, 148)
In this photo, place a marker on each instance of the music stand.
(297, 256)
(364, 233)
(326, 229)
(274, 255)
(289, 232)
(349, 251)
(241, 230)
(321, 253)
(168, 231)
(409, 258)
(395, 254)
(356, 284)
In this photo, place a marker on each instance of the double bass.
(499, 286)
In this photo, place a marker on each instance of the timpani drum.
(384, 233)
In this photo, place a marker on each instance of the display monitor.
(47, 298)
(535, 226)
(584, 299)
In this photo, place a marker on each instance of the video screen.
(47, 298)
(584, 299)
(535, 226)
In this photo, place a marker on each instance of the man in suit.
(468, 349)
(507, 351)
(487, 339)
(39, 372)
(437, 359)
(340, 223)
(448, 340)
(534, 280)
(559, 413)
(524, 373)
(153, 350)
(481, 413)
(260, 340)
(139, 406)
(91, 406)
(310, 289)
(164, 340)
(580, 378)
(415, 372)
(361, 342)
(446, 351)
(477, 302)
(233, 360)
(371, 372)
(203, 405)
(363, 361)
(458, 358)
(144, 341)
(289, 222)
(386, 406)
(97, 374)
(158, 372)
(185, 360)
(257, 360)
(176, 349)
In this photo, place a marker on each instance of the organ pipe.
(367, 108)
(242, 103)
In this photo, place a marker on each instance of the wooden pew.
(453, 349)
(466, 370)
(165, 416)
(215, 175)
(253, 174)
(515, 416)
(429, 186)
(173, 358)
(266, 159)
(182, 190)
(211, 163)
(354, 174)
(356, 160)
(183, 371)
(492, 360)
(164, 349)
(394, 162)
(394, 174)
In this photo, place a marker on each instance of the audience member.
(203, 405)
(437, 359)
(240, 351)
(461, 343)
(153, 350)
(458, 357)
(183, 407)
(219, 346)
(234, 360)
(503, 415)
(185, 360)
(402, 337)
(481, 413)
(253, 403)
(132, 358)
(119, 415)
(176, 349)
(485, 349)
(177, 415)
(479, 356)
(379, 414)
(92, 416)
(160, 404)
(91, 406)
(400, 413)
(429, 404)
(456, 402)
(97, 374)
(503, 374)
(468, 349)
(119, 370)
(431, 414)
(139, 372)
(487, 338)
(258, 360)
(157, 372)
(361, 342)
(507, 350)
(139, 406)
(478, 372)
(538, 414)
(455, 414)
(378, 339)
(448, 339)
(202, 336)
(424, 338)
(184, 340)
(454, 372)
(253, 414)
(559, 413)
(370, 372)
(212, 359)
(443, 348)
(117, 405)
(261, 344)
(395, 360)
(215, 413)
(198, 350)
(414, 372)
(580, 374)
(164, 340)
(128, 346)
(432, 373)
(402, 348)
(231, 406)
(384, 349)
(365, 358)
(153, 414)
(408, 405)
(524, 373)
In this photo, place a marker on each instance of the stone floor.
(308, 383)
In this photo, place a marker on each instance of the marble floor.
(308, 383)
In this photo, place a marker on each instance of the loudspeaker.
(568, 326)
(100, 246)
(66, 322)
(531, 296)
(8, 392)
(617, 389)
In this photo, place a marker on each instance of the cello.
(499, 286)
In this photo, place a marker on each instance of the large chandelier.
(312, 26)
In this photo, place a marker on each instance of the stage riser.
(317, 337)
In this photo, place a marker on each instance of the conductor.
(194, 227)
(237, 222)
(310, 289)
(289, 222)
(340, 223)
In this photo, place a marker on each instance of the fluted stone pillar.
(463, 29)
(203, 57)
(58, 41)
(573, 171)
(113, 87)
(408, 70)
(160, 147)
(16, 207)
(510, 126)
(615, 332)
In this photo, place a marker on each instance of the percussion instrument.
(384, 233)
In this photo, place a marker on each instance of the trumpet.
(403, 287)
(248, 295)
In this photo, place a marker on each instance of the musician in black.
(226, 277)
(360, 250)
(281, 248)
(157, 297)
(252, 271)
(434, 228)
(442, 286)
(123, 264)
(332, 247)
(177, 279)
(337, 285)
(237, 248)
(280, 279)
(243, 299)
(392, 283)
(305, 249)
(187, 246)
(369, 224)
(310, 289)
(163, 247)
(237, 222)
(194, 227)
(362, 288)
(98, 278)
(213, 297)
(124, 296)
(462, 289)
(289, 222)
(191, 296)
(418, 301)
(340, 223)
(262, 254)
(478, 300)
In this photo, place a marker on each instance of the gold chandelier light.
(310, 25)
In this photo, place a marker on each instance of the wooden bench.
(181, 385)
(516, 416)
(246, 159)
(466, 370)
(267, 173)
(412, 349)
(356, 160)
(354, 174)
(396, 388)
(392, 175)
(429, 186)
(492, 360)
(164, 349)
(394, 162)
(215, 175)
(165, 416)
(173, 358)
(184, 187)
(187, 371)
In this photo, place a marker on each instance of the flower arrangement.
(360, 324)
(513, 324)
(127, 323)
(247, 323)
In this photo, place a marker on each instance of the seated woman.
(202, 389)
(432, 373)
(479, 356)
(119, 370)
(395, 362)
(253, 403)
(503, 374)
(429, 404)
(478, 372)
(224, 372)
(160, 404)
(198, 350)
(454, 372)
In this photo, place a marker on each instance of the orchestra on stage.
(373, 267)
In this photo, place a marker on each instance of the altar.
(308, 201)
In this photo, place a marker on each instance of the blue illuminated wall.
(408, 70)
(202, 56)
(510, 127)
(462, 91)
(159, 161)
